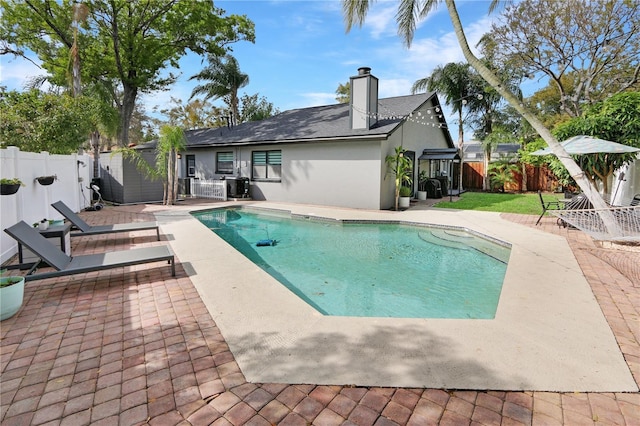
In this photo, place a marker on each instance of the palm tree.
(409, 11)
(453, 81)
(223, 80)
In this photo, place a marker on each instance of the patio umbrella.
(582, 144)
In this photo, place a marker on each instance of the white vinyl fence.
(206, 188)
(32, 202)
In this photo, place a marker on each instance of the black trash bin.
(433, 188)
(184, 186)
(444, 185)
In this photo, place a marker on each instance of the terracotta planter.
(11, 297)
(9, 189)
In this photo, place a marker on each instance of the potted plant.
(43, 225)
(46, 180)
(10, 186)
(422, 185)
(11, 295)
(400, 167)
(404, 197)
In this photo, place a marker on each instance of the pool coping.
(549, 333)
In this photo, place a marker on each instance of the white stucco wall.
(343, 174)
(420, 132)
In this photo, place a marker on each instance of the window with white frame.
(267, 165)
(224, 163)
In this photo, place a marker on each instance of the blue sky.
(302, 51)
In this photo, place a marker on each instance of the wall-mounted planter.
(8, 188)
(46, 180)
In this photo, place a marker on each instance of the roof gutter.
(363, 138)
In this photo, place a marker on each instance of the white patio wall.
(33, 201)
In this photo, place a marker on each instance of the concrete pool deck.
(549, 333)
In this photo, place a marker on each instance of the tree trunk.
(130, 94)
(485, 169)
(461, 149)
(95, 144)
(574, 170)
(175, 176)
(170, 161)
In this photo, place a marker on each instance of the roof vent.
(364, 70)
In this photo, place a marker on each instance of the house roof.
(440, 154)
(313, 124)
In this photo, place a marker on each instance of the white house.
(330, 155)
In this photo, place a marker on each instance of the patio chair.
(69, 265)
(86, 229)
(548, 205)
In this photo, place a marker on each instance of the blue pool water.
(370, 269)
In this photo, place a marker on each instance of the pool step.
(461, 240)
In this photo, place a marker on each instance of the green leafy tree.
(36, 121)
(195, 114)
(595, 43)
(616, 119)
(410, 11)
(343, 93)
(222, 79)
(256, 108)
(125, 45)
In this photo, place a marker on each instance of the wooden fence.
(538, 178)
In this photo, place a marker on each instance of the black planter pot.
(45, 180)
(9, 189)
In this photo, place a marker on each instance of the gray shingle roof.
(308, 124)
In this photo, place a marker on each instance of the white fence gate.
(206, 188)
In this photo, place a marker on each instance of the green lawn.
(494, 202)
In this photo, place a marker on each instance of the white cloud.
(394, 87)
(381, 21)
(317, 99)
(16, 73)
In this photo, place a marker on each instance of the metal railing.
(209, 188)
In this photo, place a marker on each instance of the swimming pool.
(370, 269)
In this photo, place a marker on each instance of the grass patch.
(495, 202)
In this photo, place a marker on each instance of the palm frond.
(355, 11)
(406, 18)
(420, 85)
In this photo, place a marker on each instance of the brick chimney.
(363, 111)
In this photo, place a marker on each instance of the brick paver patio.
(139, 347)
